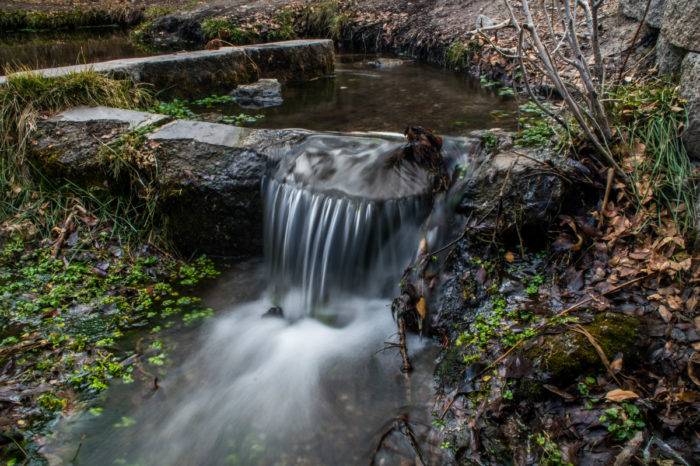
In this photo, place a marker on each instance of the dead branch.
(406, 366)
(634, 41)
(401, 425)
(583, 101)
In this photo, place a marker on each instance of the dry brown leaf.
(421, 308)
(666, 315)
(618, 395)
(616, 365)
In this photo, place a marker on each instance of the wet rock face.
(516, 187)
(210, 187)
(260, 94)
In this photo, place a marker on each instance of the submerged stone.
(274, 312)
(387, 62)
(260, 94)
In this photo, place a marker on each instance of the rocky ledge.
(208, 176)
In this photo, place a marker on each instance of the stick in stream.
(401, 425)
(406, 366)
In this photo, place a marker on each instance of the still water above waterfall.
(360, 97)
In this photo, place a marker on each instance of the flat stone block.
(200, 131)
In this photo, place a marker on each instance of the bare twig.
(606, 198)
(406, 366)
(634, 41)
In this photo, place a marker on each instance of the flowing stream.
(319, 386)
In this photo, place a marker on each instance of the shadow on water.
(362, 98)
(38, 50)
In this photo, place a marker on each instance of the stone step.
(207, 175)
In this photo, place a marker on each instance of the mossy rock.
(450, 369)
(565, 356)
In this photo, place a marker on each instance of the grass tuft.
(650, 117)
(31, 202)
(325, 19)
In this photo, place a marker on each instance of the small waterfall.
(322, 242)
(339, 218)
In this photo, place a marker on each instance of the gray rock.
(690, 90)
(387, 62)
(635, 9)
(681, 24)
(506, 190)
(668, 56)
(210, 177)
(260, 94)
(483, 21)
(68, 144)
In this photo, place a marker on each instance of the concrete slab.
(133, 118)
(191, 74)
(200, 131)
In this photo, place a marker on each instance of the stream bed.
(319, 385)
(362, 97)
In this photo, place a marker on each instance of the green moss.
(325, 18)
(283, 27)
(226, 29)
(450, 369)
(457, 55)
(567, 355)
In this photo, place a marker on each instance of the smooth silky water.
(320, 386)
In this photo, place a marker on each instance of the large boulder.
(635, 9)
(680, 24)
(209, 178)
(690, 90)
(668, 56)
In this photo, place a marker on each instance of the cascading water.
(341, 223)
(339, 217)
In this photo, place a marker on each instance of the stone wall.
(200, 73)
(677, 51)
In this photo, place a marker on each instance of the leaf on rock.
(421, 308)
